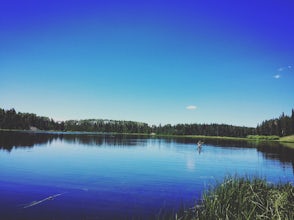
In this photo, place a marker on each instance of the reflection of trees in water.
(99, 140)
(10, 140)
(276, 151)
(269, 150)
(14, 139)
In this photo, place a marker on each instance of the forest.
(282, 126)
(10, 119)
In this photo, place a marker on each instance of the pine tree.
(292, 122)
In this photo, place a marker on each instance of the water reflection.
(199, 149)
(102, 139)
(214, 142)
(12, 139)
(276, 151)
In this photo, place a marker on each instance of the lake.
(104, 176)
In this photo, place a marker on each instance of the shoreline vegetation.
(242, 198)
(287, 141)
(275, 130)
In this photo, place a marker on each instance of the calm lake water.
(120, 177)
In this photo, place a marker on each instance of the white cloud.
(191, 107)
(277, 76)
(281, 69)
(289, 67)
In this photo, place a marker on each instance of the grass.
(263, 137)
(202, 137)
(287, 139)
(244, 198)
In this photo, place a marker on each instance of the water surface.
(121, 177)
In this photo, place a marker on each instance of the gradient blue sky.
(148, 60)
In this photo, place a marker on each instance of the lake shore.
(287, 141)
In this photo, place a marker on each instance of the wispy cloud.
(284, 68)
(281, 69)
(191, 107)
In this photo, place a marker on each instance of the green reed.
(243, 198)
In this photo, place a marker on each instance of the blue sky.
(187, 61)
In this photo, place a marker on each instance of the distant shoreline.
(287, 141)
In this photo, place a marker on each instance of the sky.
(155, 61)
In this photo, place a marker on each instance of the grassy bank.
(202, 137)
(263, 137)
(289, 139)
(244, 198)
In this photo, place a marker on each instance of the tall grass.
(244, 198)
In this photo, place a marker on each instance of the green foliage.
(263, 137)
(10, 119)
(268, 130)
(245, 198)
(218, 130)
(100, 125)
(282, 126)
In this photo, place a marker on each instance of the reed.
(244, 198)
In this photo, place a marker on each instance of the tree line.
(281, 126)
(10, 119)
(100, 125)
(205, 129)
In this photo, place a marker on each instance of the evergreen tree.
(9, 119)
